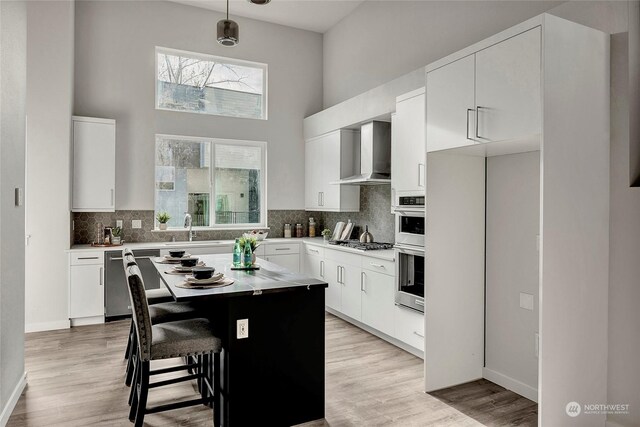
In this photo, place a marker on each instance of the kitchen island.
(274, 376)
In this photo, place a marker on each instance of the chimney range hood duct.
(375, 156)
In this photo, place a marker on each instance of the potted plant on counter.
(254, 245)
(163, 218)
(116, 236)
(326, 234)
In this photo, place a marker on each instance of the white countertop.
(386, 254)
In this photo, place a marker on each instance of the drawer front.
(409, 327)
(87, 258)
(282, 248)
(379, 265)
(343, 258)
(314, 250)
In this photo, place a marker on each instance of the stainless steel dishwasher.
(116, 294)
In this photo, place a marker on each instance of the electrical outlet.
(242, 326)
(136, 223)
(537, 338)
(119, 223)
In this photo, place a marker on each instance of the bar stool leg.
(144, 392)
(133, 393)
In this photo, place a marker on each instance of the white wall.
(114, 78)
(624, 240)
(383, 40)
(13, 61)
(513, 222)
(49, 107)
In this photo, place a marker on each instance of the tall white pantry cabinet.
(94, 164)
(541, 86)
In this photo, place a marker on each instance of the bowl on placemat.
(176, 254)
(189, 262)
(201, 273)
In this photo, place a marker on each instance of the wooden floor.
(76, 376)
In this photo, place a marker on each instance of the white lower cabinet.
(333, 294)
(286, 255)
(289, 261)
(409, 327)
(362, 288)
(378, 301)
(86, 285)
(350, 279)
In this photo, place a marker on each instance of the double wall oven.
(409, 247)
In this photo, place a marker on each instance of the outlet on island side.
(242, 326)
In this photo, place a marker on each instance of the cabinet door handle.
(363, 287)
(418, 334)
(477, 121)
(319, 202)
(420, 175)
(322, 269)
(338, 274)
(314, 250)
(419, 302)
(469, 110)
(101, 271)
(112, 198)
(322, 198)
(373, 264)
(283, 249)
(88, 257)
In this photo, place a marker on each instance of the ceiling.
(311, 15)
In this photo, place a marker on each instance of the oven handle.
(414, 212)
(410, 251)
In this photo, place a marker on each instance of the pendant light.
(228, 31)
(259, 1)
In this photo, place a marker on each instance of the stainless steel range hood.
(375, 156)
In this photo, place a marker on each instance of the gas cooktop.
(356, 244)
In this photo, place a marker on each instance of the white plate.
(182, 269)
(214, 279)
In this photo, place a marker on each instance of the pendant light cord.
(227, 10)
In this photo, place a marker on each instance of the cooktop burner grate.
(356, 244)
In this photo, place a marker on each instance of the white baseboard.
(377, 333)
(13, 400)
(82, 321)
(511, 384)
(47, 326)
(610, 423)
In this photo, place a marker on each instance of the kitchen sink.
(195, 243)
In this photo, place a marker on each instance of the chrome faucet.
(188, 224)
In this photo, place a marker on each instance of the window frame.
(215, 58)
(212, 194)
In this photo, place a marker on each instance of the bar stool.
(159, 312)
(190, 338)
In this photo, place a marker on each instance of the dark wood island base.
(276, 375)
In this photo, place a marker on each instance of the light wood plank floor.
(76, 376)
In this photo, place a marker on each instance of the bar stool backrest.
(140, 309)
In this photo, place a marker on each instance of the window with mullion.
(220, 182)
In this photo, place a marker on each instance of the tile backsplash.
(375, 208)
(375, 211)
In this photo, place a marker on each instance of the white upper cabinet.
(491, 95)
(408, 143)
(508, 77)
(451, 105)
(328, 158)
(94, 164)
